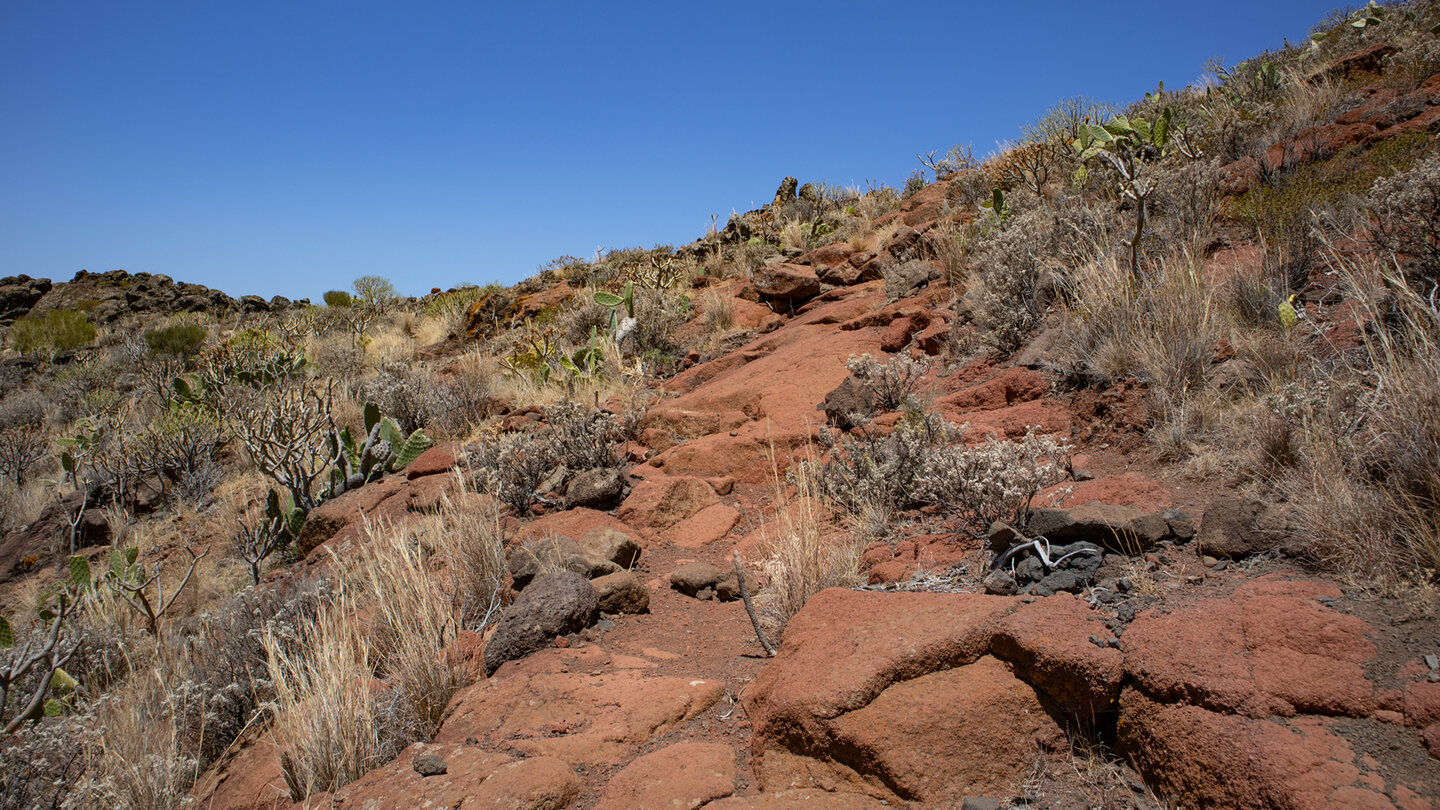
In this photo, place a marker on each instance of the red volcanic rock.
(1048, 642)
(1422, 704)
(1009, 387)
(799, 800)
(787, 282)
(660, 503)
(436, 460)
(572, 523)
(745, 457)
(936, 738)
(341, 517)
(1135, 490)
(682, 775)
(608, 706)
(826, 255)
(882, 693)
(1308, 146)
(704, 527)
(1258, 652)
(931, 339)
(1010, 422)
(472, 778)
(1200, 758)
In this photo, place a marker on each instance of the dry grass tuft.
(801, 560)
(718, 311)
(326, 708)
(410, 622)
(1368, 491)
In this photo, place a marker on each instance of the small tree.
(375, 292)
(338, 299)
(1128, 146)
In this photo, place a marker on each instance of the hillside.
(1103, 472)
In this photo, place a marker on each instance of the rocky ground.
(1185, 652)
(1192, 650)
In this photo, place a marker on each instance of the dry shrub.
(333, 355)
(410, 624)
(801, 560)
(40, 765)
(1368, 491)
(1162, 327)
(718, 310)
(142, 763)
(462, 398)
(891, 384)
(326, 712)
(1021, 262)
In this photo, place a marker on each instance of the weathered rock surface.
(683, 775)
(1123, 529)
(18, 294)
(1270, 648)
(581, 705)
(1238, 527)
(535, 557)
(621, 592)
(553, 605)
(595, 489)
(660, 504)
(473, 778)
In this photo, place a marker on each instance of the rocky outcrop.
(583, 706)
(1260, 698)
(467, 777)
(18, 294)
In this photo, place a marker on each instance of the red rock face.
(682, 775)
(472, 778)
(1255, 654)
(549, 705)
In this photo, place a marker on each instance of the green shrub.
(182, 339)
(251, 341)
(338, 299)
(58, 330)
(374, 291)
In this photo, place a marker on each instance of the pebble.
(429, 765)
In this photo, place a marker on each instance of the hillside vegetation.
(1180, 356)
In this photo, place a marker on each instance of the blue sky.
(289, 147)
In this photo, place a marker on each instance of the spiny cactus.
(385, 449)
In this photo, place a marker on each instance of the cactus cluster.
(385, 449)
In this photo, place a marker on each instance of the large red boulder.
(1201, 758)
(683, 775)
(896, 696)
(580, 705)
(1269, 648)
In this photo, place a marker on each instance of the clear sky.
(289, 147)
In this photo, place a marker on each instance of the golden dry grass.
(324, 713)
(800, 559)
(410, 620)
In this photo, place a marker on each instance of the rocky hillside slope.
(1029, 516)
